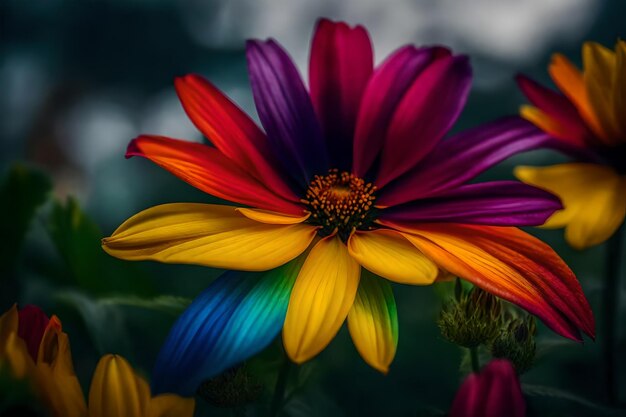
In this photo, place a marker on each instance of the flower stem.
(611, 309)
(474, 356)
(279, 389)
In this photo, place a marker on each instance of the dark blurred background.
(79, 79)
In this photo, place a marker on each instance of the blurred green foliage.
(22, 192)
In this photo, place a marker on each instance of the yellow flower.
(116, 390)
(48, 366)
(589, 120)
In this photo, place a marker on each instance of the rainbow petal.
(373, 322)
(238, 315)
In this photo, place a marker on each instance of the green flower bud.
(233, 388)
(472, 319)
(516, 342)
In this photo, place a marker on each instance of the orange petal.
(600, 65)
(543, 121)
(512, 265)
(570, 81)
(56, 381)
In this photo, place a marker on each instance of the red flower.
(493, 392)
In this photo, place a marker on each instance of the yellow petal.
(8, 324)
(570, 81)
(207, 234)
(271, 217)
(321, 299)
(170, 405)
(55, 380)
(116, 391)
(594, 197)
(373, 322)
(600, 65)
(388, 254)
(15, 355)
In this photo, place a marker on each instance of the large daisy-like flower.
(350, 182)
(590, 116)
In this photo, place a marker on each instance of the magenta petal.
(462, 157)
(493, 392)
(425, 114)
(285, 110)
(384, 91)
(32, 323)
(341, 64)
(559, 108)
(498, 203)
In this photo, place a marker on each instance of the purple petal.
(467, 154)
(498, 203)
(383, 93)
(285, 110)
(425, 114)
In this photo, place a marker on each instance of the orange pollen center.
(340, 203)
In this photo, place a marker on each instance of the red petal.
(209, 170)
(341, 64)
(32, 323)
(231, 131)
(383, 93)
(426, 113)
(572, 128)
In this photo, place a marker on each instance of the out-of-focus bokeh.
(79, 79)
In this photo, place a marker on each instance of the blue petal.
(236, 317)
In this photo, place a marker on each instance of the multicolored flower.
(350, 186)
(590, 118)
(493, 392)
(34, 348)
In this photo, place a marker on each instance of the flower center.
(341, 203)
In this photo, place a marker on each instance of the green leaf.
(104, 323)
(165, 303)
(77, 239)
(22, 192)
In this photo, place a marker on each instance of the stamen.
(340, 202)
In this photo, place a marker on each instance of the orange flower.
(589, 118)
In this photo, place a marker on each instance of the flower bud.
(516, 342)
(473, 319)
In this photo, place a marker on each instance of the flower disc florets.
(340, 202)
